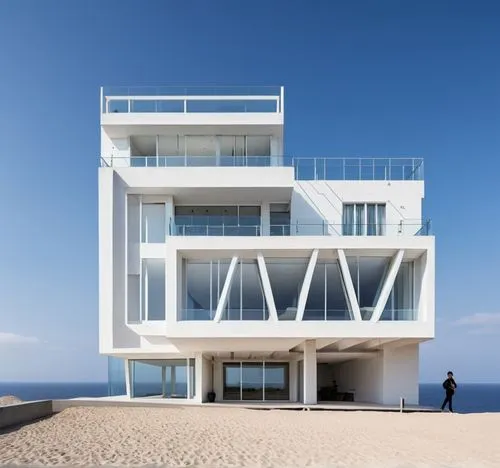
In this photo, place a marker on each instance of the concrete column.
(218, 380)
(163, 380)
(293, 382)
(199, 397)
(310, 373)
(129, 378)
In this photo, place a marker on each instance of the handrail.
(376, 169)
(303, 229)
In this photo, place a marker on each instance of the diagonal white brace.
(225, 290)
(349, 286)
(304, 291)
(266, 286)
(388, 284)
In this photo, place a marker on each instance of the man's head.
(450, 374)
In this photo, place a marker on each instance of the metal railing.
(192, 99)
(358, 168)
(301, 229)
(381, 169)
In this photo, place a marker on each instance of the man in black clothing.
(449, 385)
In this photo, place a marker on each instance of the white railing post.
(282, 99)
(185, 105)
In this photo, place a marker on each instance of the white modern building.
(228, 267)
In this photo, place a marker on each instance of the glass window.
(368, 276)
(337, 305)
(286, 277)
(257, 381)
(153, 289)
(401, 305)
(252, 381)
(253, 302)
(363, 219)
(276, 385)
(153, 223)
(203, 286)
(199, 303)
(146, 378)
(232, 381)
(327, 299)
(316, 300)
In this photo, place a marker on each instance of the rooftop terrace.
(192, 99)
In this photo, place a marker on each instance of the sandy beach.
(207, 437)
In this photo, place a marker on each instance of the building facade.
(228, 270)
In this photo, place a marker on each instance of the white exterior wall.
(364, 377)
(400, 375)
(315, 202)
(391, 374)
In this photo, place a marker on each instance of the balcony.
(209, 228)
(362, 169)
(195, 99)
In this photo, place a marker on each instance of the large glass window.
(252, 381)
(153, 223)
(257, 381)
(153, 289)
(276, 386)
(368, 276)
(401, 303)
(327, 299)
(363, 219)
(204, 283)
(232, 381)
(246, 300)
(167, 378)
(286, 277)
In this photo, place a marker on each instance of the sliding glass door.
(256, 381)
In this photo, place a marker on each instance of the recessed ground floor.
(358, 371)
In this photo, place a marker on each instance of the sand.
(213, 437)
(9, 400)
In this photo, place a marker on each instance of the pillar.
(163, 380)
(294, 378)
(199, 393)
(310, 373)
(129, 377)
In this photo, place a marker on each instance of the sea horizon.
(470, 397)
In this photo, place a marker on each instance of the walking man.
(449, 385)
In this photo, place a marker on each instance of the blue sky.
(362, 78)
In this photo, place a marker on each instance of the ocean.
(470, 398)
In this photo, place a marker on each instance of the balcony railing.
(318, 315)
(382, 169)
(299, 229)
(195, 99)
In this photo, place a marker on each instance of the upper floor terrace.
(209, 105)
(382, 169)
